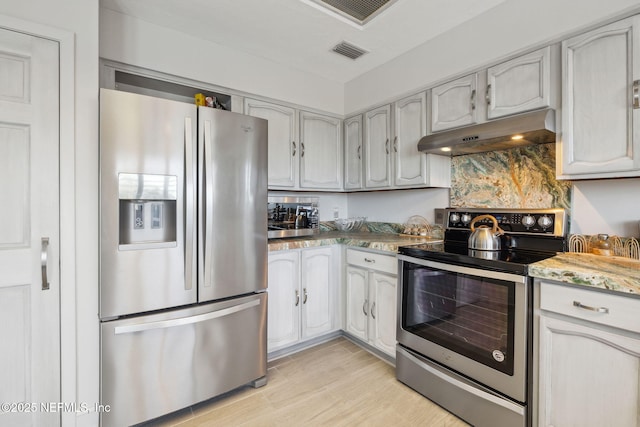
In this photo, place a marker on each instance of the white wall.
(79, 364)
(135, 42)
(398, 206)
(606, 206)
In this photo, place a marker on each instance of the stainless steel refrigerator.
(183, 254)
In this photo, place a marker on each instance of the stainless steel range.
(465, 312)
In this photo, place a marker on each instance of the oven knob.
(454, 217)
(544, 221)
(528, 221)
(466, 218)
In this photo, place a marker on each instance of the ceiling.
(296, 34)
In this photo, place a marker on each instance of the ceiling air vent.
(349, 50)
(358, 11)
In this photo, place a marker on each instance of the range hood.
(537, 127)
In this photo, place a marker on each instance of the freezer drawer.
(156, 364)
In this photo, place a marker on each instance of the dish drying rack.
(620, 246)
(417, 226)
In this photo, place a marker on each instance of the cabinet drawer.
(373, 261)
(616, 311)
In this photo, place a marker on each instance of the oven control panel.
(535, 221)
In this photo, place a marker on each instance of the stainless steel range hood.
(537, 127)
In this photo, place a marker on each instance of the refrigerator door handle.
(188, 204)
(208, 191)
(163, 324)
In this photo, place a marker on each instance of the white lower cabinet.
(371, 299)
(303, 295)
(588, 371)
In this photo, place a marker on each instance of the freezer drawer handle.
(163, 324)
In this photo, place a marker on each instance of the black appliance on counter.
(465, 316)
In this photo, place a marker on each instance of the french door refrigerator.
(183, 247)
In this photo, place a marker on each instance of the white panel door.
(320, 151)
(283, 149)
(29, 228)
(353, 153)
(521, 84)
(377, 147)
(383, 312)
(317, 289)
(411, 125)
(453, 104)
(357, 313)
(283, 327)
(600, 129)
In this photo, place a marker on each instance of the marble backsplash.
(517, 178)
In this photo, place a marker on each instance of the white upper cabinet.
(411, 167)
(353, 153)
(411, 125)
(305, 149)
(320, 151)
(518, 85)
(600, 126)
(453, 104)
(283, 146)
(377, 147)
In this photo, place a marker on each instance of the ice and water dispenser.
(147, 211)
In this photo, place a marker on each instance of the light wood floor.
(333, 384)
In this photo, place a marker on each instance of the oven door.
(470, 320)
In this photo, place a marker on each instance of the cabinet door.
(453, 104)
(283, 327)
(600, 130)
(283, 148)
(588, 376)
(320, 151)
(519, 85)
(353, 153)
(410, 126)
(317, 291)
(357, 303)
(378, 147)
(382, 291)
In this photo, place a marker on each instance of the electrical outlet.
(336, 213)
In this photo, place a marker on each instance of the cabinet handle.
(302, 149)
(488, 95)
(304, 300)
(373, 307)
(586, 307)
(43, 261)
(473, 99)
(395, 144)
(359, 149)
(364, 308)
(294, 148)
(636, 94)
(373, 261)
(297, 297)
(386, 146)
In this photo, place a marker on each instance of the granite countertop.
(386, 242)
(611, 273)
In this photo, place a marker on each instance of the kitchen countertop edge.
(608, 273)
